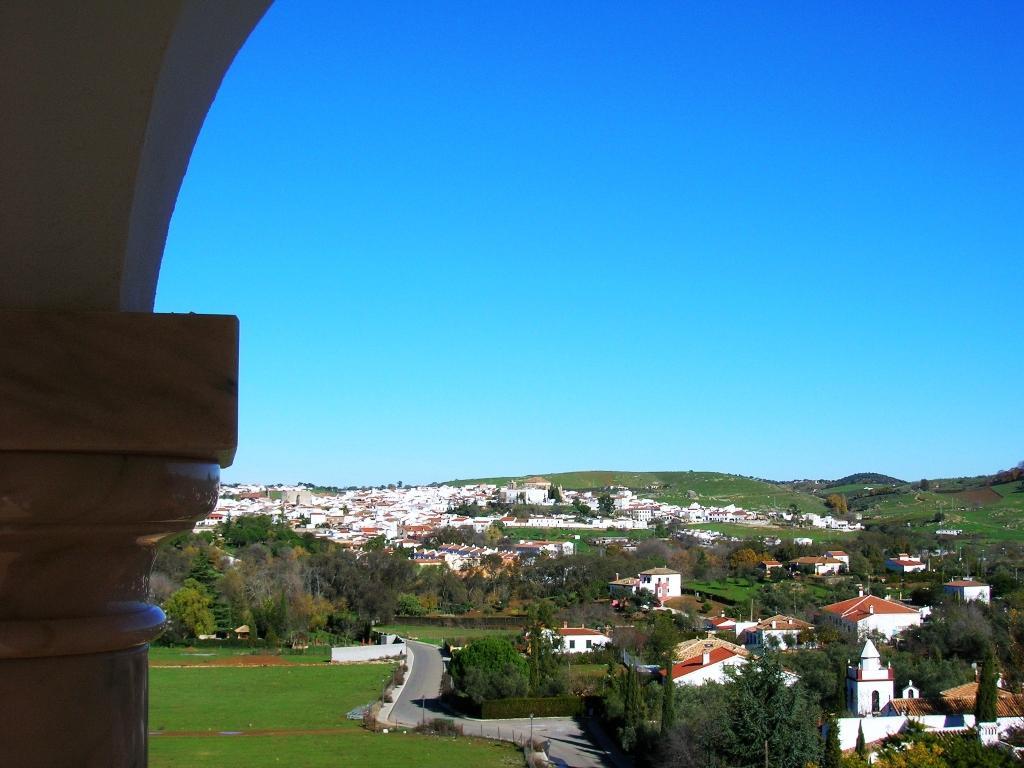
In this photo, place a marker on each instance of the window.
(590, 643)
(572, 644)
(875, 698)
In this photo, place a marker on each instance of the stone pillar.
(113, 429)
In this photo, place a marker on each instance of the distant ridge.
(867, 478)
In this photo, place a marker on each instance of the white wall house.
(904, 563)
(967, 590)
(709, 666)
(580, 639)
(778, 631)
(663, 582)
(866, 613)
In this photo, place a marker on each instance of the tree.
(582, 508)
(189, 609)
(861, 747)
(555, 493)
(767, 717)
(605, 505)
(988, 694)
(489, 668)
(668, 702)
(832, 753)
(546, 676)
(926, 485)
(744, 560)
(409, 605)
(663, 639)
(837, 503)
(633, 709)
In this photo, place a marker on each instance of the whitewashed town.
(800, 586)
(402, 515)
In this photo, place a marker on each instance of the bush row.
(554, 706)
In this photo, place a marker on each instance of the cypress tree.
(862, 748)
(668, 702)
(988, 694)
(832, 756)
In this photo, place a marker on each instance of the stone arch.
(129, 414)
(108, 100)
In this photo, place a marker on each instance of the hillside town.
(401, 516)
(609, 577)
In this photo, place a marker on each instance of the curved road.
(569, 744)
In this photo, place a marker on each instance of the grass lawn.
(737, 590)
(436, 635)
(745, 531)
(290, 715)
(352, 748)
(240, 698)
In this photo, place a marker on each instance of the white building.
(967, 590)
(663, 582)
(580, 639)
(869, 685)
(707, 666)
(904, 563)
(779, 631)
(866, 613)
(950, 712)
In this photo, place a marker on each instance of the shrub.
(553, 706)
(440, 726)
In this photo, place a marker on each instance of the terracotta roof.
(1010, 705)
(770, 563)
(689, 648)
(783, 622)
(719, 621)
(696, 663)
(964, 583)
(659, 572)
(969, 691)
(627, 582)
(857, 609)
(816, 561)
(577, 631)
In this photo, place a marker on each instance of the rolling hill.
(712, 488)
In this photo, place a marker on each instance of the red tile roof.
(857, 609)
(577, 631)
(696, 663)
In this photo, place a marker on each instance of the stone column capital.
(119, 383)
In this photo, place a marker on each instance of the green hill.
(983, 507)
(712, 488)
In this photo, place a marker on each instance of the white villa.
(866, 613)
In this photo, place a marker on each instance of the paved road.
(570, 744)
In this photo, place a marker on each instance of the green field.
(289, 714)
(736, 590)
(744, 531)
(354, 747)
(240, 698)
(584, 543)
(437, 635)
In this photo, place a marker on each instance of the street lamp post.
(531, 731)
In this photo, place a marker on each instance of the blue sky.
(467, 239)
